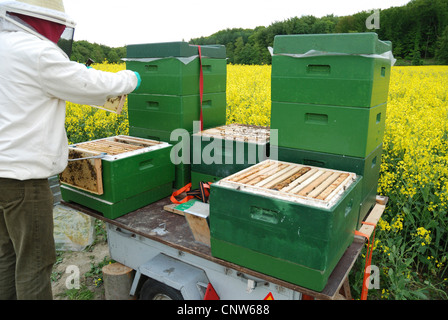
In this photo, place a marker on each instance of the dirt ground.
(89, 263)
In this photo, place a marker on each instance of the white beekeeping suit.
(36, 78)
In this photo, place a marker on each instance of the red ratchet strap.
(370, 244)
(201, 85)
(202, 193)
(178, 192)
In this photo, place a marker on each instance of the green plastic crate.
(174, 49)
(167, 113)
(348, 79)
(225, 150)
(347, 131)
(296, 242)
(170, 76)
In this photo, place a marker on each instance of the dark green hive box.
(171, 76)
(129, 182)
(182, 170)
(167, 113)
(346, 78)
(348, 131)
(197, 177)
(174, 49)
(225, 150)
(293, 241)
(147, 133)
(348, 43)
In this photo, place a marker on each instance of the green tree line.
(84, 50)
(418, 31)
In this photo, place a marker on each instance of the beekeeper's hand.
(139, 81)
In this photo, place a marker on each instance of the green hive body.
(172, 76)
(347, 131)
(225, 150)
(267, 233)
(169, 97)
(329, 103)
(129, 182)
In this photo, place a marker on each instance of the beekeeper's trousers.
(27, 250)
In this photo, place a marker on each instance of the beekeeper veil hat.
(49, 4)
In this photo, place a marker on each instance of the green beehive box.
(197, 177)
(180, 141)
(347, 43)
(132, 174)
(113, 210)
(158, 135)
(172, 76)
(225, 150)
(271, 229)
(348, 131)
(167, 113)
(347, 69)
(174, 49)
(369, 168)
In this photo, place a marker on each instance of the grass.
(91, 282)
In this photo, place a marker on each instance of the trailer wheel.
(155, 290)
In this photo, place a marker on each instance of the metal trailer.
(169, 263)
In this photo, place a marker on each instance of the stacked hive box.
(169, 96)
(222, 151)
(329, 97)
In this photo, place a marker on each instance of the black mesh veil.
(66, 40)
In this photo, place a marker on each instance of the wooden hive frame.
(309, 185)
(116, 145)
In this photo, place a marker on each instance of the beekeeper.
(36, 78)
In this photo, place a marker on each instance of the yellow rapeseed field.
(85, 123)
(249, 94)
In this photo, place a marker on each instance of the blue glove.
(139, 80)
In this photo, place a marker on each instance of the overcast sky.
(120, 22)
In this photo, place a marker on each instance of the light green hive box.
(347, 71)
(347, 131)
(167, 112)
